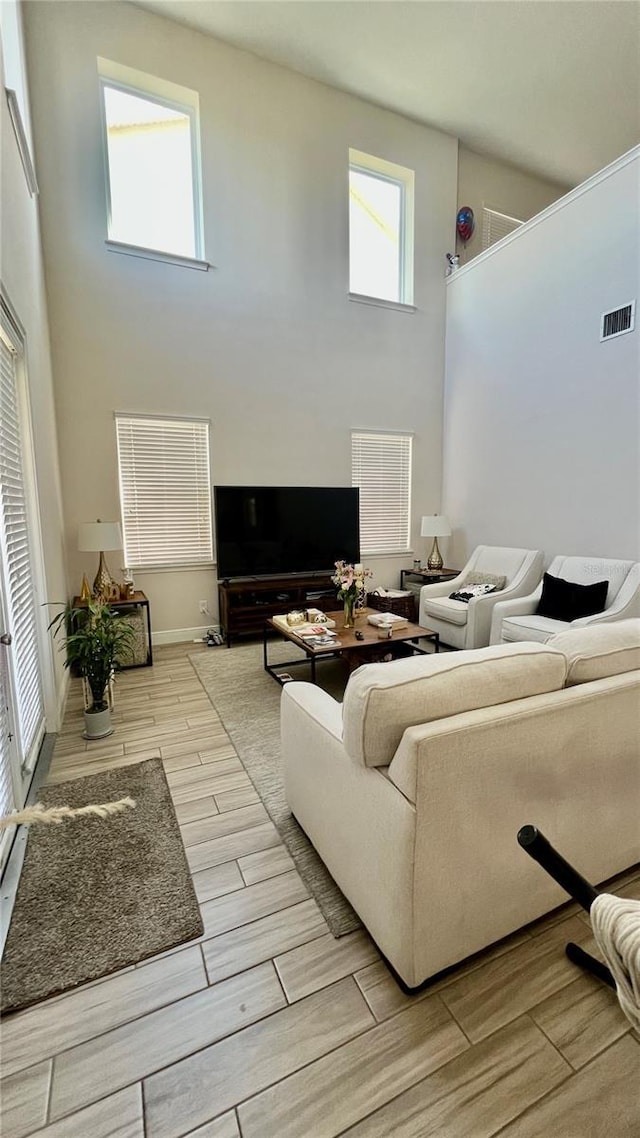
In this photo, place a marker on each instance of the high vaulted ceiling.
(551, 86)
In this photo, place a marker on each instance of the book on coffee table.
(313, 631)
(392, 618)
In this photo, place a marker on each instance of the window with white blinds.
(381, 467)
(17, 575)
(165, 491)
(496, 225)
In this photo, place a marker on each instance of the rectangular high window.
(151, 138)
(165, 491)
(380, 229)
(381, 467)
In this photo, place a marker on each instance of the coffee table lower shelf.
(353, 650)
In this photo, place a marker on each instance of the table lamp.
(435, 526)
(95, 537)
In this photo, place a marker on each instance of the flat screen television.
(273, 530)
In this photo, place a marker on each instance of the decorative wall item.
(465, 223)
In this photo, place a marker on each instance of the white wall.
(266, 344)
(542, 423)
(485, 182)
(22, 278)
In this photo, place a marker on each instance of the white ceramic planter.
(97, 724)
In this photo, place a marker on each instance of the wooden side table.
(137, 601)
(428, 576)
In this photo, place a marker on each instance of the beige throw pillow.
(475, 577)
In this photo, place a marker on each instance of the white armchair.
(464, 625)
(515, 620)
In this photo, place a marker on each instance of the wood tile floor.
(268, 1027)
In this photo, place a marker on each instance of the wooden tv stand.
(245, 603)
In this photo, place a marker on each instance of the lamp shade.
(435, 525)
(94, 537)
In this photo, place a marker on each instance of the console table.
(138, 603)
(245, 603)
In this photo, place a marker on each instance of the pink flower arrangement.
(350, 580)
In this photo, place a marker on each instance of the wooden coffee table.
(367, 650)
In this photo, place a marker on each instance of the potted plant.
(97, 639)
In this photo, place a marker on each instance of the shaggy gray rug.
(247, 700)
(96, 895)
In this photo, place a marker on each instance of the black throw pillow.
(566, 600)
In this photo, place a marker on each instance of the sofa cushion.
(567, 600)
(382, 700)
(443, 608)
(600, 651)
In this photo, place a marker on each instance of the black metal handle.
(6, 639)
(536, 845)
(577, 955)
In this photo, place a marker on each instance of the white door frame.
(14, 334)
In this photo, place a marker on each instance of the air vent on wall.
(618, 321)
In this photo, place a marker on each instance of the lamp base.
(435, 562)
(104, 586)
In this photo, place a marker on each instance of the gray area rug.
(247, 700)
(96, 895)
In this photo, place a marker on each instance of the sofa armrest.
(481, 609)
(622, 611)
(517, 606)
(312, 702)
(441, 588)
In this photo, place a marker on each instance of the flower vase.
(349, 619)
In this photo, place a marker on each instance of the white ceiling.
(551, 86)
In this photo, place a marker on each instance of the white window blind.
(17, 566)
(165, 490)
(381, 467)
(496, 225)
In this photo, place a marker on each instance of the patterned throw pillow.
(474, 577)
(468, 592)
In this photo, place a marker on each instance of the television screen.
(271, 530)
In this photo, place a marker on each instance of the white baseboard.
(178, 635)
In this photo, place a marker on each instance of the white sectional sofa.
(413, 790)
